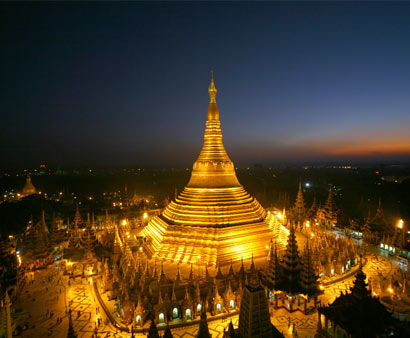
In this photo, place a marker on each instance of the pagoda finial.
(212, 113)
(162, 268)
(252, 264)
(212, 89)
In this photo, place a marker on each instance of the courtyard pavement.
(47, 296)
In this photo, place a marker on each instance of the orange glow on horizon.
(364, 144)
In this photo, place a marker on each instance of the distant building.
(28, 188)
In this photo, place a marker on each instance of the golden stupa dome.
(28, 188)
(214, 219)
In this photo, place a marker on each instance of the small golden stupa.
(28, 188)
(213, 220)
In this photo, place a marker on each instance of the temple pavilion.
(214, 220)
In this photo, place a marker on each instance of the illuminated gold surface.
(28, 188)
(213, 218)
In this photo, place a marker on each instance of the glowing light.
(321, 287)
(390, 290)
(124, 222)
(145, 216)
(307, 224)
(279, 215)
(267, 247)
(400, 224)
(199, 257)
(140, 248)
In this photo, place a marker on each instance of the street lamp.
(400, 225)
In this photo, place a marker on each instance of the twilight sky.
(126, 83)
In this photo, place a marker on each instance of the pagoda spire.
(274, 268)
(206, 271)
(43, 221)
(191, 274)
(252, 264)
(231, 272)
(167, 333)
(213, 113)
(359, 289)
(155, 273)
(178, 275)
(329, 197)
(203, 331)
(219, 273)
(146, 269)
(291, 265)
(173, 295)
(153, 331)
(299, 208)
(213, 168)
(308, 278)
(162, 277)
(77, 218)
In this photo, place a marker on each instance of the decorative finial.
(212, 89)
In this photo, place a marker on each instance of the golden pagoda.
(28, 188)
(214, 220)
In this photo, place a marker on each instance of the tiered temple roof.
(299, 211)
(358, 314)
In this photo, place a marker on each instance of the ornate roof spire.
(231, 272)
(191, 274)
(212, 113)
(206, 271)
(212, 89)
(252, 264)
(203, 331)
(178, 275)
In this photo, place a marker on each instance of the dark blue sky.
(126, 83)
